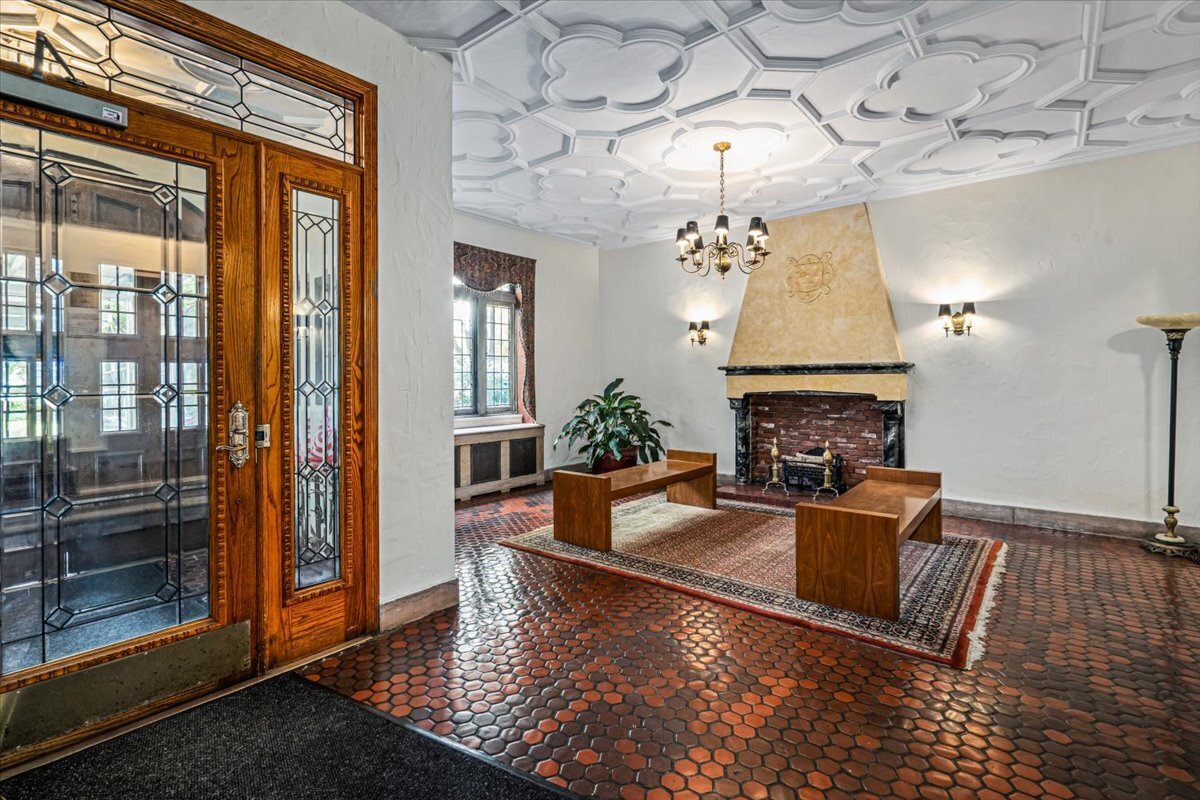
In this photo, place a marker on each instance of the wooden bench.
(848, 551)
(583, 502)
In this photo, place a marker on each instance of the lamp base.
(1168, 542)
(1167, 545)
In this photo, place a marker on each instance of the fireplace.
(861, 430)
(816, 356)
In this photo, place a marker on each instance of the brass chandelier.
(698, 258)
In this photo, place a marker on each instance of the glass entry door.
(128, 285)
(106, 300)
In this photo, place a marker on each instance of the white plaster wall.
(646, 303)
(566, 351)
(416, 471)
(1058, 400)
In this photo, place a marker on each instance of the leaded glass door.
(118, 532)
(315, 581)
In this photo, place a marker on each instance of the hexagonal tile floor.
(615, 688)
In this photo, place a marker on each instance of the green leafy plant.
(610, 423)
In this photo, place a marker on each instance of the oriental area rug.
(743, 555)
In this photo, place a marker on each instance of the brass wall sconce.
(698, 333)
(960, 322)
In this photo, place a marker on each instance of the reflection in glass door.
(104, 426)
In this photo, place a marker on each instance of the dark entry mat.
(283, 739)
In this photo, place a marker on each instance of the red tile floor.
(614, 688)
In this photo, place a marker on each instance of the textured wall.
(416, 472)
(1057, 400)
(807, 309)
(566, 328)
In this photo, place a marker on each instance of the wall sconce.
(698, 333)
(959, 322)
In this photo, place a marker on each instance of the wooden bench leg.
(930, 530)
(582, 510)
(848, 559)
(700, 492)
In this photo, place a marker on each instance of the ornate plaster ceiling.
(594, 120)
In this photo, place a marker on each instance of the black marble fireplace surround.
(892, 410)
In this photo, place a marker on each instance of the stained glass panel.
(129, 56)
(316, 382)
(104, 495)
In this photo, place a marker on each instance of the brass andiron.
(828, 487)
(776, 478)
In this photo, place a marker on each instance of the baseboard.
(404, 610)
(1060, 520)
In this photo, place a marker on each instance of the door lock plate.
(239, 436)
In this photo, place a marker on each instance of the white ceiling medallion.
(482, 138)
(947, 82)
(580, 65)
(976, 152)
(1180, 18)
(1179, 110)
(860, 12)
(594, 120)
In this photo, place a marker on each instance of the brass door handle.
(239, 436)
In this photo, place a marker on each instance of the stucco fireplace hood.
(817, 318)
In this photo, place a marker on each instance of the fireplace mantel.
(844, 368)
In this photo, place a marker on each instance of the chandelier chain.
(722, 181)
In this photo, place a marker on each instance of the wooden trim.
(349, 422)
(369, 300)
(404, 610)
(179, 17)
(198, 125)
(203, 27)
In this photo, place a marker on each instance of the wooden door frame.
(181, 18)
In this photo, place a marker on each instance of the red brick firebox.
(853, 426)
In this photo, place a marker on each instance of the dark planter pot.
(607, 463)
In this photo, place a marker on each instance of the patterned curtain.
(484, 270)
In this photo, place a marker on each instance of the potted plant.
(614, 430)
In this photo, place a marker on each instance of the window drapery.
(484, 270)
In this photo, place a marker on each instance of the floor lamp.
(1175, 326)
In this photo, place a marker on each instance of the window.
(117, 308)
(19, 411)
(464, 355)
(14, 300)
(485, 363)
(190, 400)
(188, 321)
(118, 392)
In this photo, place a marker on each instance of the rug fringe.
(978, 635)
